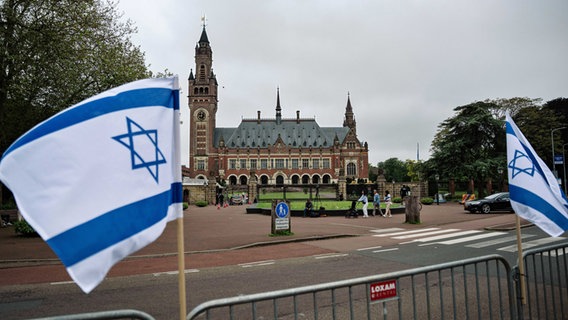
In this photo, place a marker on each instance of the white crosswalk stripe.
(392, 234)
(472, 238)
(433, 235)
(446, 236)
(408, 236)
(530, 244)
(494, 242)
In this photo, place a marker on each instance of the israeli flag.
(534, 191)
(100, 180)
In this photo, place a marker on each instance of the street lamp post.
(552, 142)
(437, 177)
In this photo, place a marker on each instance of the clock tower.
(202, 98)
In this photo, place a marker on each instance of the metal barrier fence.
(103, 315)
(546, 276)
(477, 288)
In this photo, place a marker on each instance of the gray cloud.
(407, 64)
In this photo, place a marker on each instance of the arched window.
(243, 180)
(351, 169)
(233, 180)
(295, 179)
(264, 180)
(279, 179)
(201, 90)
(305, 179)
(206, 90)
(195, 90)
(315, 179)
(326, 179)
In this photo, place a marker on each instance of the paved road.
(230, 236)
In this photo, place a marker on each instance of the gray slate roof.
(305, 133)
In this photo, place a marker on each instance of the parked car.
(236, 200)
(495, 202)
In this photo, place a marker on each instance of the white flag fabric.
(534, 191)
(100, 180)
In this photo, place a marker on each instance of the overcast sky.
(406, 64)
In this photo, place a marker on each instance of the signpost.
(280, 216)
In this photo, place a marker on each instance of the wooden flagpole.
(181, 269)
(521, 262)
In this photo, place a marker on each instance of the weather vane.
(203, 21)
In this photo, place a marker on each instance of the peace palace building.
(266, 151)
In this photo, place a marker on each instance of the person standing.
(388, 202)
(377, 203)
(308, 208)
(365, 204)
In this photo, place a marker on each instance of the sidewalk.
(209, 230)
(229, 236)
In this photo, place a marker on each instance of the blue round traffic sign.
(282, 210)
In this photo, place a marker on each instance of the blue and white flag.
(534, 191)
(100, 180)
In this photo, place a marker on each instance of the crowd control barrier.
(477, 288)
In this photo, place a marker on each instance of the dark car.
(495, 202)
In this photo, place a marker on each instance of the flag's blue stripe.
(535, 202)
(529, 154)
(91, 237)
(136, 98)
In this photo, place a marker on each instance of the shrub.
(23, 228)
(427, 200)
(397, 200)
(185, 205)
(201, 203)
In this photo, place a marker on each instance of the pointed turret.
(278, 108)
(203, 38)
(349, 120)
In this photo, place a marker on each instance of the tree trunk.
(412, 209)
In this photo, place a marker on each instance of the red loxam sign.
(383, 290)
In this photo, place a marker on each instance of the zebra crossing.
(504, 241)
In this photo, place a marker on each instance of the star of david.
(143, 146)
(521, 163)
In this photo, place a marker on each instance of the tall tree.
(470, 145)
(536, 125)
(55, 53)
(394, 169)
(560, 108)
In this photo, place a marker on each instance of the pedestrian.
(365, 204)
(377, 203)
(308, 208)
(388, 203)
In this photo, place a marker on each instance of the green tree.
(414, 169)
(470, 145)
(560, 108)
(55, 53)
(394, 169)
(536, 125)
(511, 105)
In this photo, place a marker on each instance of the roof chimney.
(258, 119)
(297, 116)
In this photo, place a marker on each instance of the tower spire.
(278, 108)
(349, 120)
